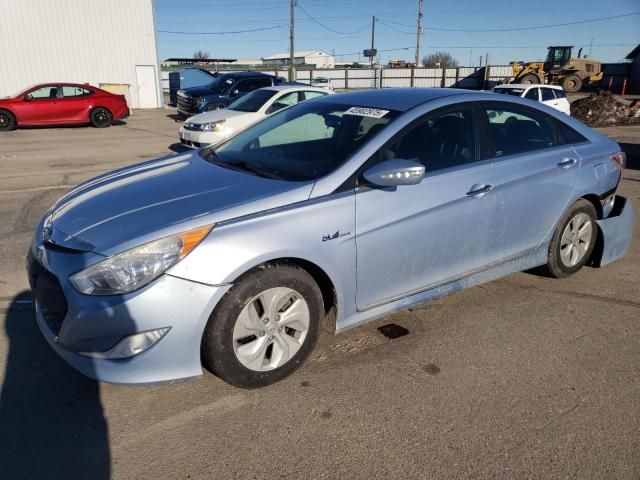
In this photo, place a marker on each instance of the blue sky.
(346, 28)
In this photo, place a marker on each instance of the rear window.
(516, 92)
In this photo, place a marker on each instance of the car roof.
(279, 88)
(528, 85)
(399, 99)
(245, 74)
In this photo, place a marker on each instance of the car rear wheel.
(101, 117)
(264, 327)
(573, 240)
(7, 121)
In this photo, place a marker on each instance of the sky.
(464, 28)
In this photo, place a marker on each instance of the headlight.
(211, 126)
(135, 268)
(199, 100)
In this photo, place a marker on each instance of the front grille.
(48, 293)
(186, 104)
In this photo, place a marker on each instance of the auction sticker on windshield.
(367, 112)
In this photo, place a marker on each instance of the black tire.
(215, 106)
(572, 83)
(101, 117)
(218, 352)
(555, 266)
(529, 79)
(7, 121)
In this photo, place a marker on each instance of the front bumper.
(96, 323)
(614, 233)
(198, 139)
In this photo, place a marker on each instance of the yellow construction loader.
(559, 69)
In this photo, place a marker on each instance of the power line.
(538, 27)
(324, 26)
(223, 33)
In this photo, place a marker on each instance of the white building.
(108, 44)
(316, 58)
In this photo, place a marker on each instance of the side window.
(567, 135)
(244, 86)
(519, 129)
(547, 94)
(261, 82)
(532, 94)
(69, 91)
(309, 95)
(443, 140)
(559, 93)
(44, 93)
(284, 101)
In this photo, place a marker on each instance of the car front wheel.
(573, 240)
(264, 328)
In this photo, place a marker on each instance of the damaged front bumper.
(614, 233)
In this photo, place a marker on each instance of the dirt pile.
(602, 109)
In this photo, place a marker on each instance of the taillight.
(620, 158)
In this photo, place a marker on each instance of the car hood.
(136, 204)
(199, 91)
(223, 114)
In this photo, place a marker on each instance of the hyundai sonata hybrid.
(325, 215)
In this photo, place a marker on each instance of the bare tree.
(201, 55)
(439, 59)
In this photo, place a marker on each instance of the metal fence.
(473, 78)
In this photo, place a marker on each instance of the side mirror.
(27, 97)
(395, 172)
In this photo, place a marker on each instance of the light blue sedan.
(328, 214)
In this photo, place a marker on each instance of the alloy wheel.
(576, 239)
(270, 329)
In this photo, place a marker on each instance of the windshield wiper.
(248, 167)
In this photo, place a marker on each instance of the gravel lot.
(525, 377)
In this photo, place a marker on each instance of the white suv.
(552, 95)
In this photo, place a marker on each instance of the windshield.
(252, 102)
(220, 84)
(303, 142)
(517, 92)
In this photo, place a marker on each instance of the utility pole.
(373, 36)
(292, 73)
(419, 33)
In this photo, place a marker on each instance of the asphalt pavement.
(524, 377)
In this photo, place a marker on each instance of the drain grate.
(393, 331)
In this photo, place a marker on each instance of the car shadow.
(179, 148)
(51, 418)
(632, 150)
(115, 123)
(176, 117)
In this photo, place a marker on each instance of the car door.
(40, 106)
(412, 238)
(548, 98)
(535, 175)
(74, 104)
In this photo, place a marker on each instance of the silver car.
(327, 215)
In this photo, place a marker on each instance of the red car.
(62, 104)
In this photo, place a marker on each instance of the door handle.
(567, 163)
(477, 190)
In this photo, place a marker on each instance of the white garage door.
(146, 85)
